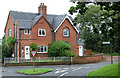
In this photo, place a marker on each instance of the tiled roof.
(27, 20)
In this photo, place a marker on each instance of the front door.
(80, 50)
(27, 52)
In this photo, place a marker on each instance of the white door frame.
(80, 50)
(27, 52)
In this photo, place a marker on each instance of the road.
(58, 70)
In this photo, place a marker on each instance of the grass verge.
(37, 71)
(108, 70)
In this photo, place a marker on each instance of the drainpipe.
(16, 41)
(20, 44)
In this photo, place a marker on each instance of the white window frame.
(27, 32)
(9, 32)
(68, 33)
(41, 32)
(43, 49)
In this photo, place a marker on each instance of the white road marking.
(63, 74)
(60, 71)
(77, 69)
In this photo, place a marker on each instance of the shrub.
(59, 49)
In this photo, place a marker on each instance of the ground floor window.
(42, 49)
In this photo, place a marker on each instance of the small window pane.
(45, 48)
(28, 31)
(40, 32)
(41, 48)
(9, 32)
(43, 32)
(38, 49)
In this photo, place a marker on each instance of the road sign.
(106, 42)
(33, 53)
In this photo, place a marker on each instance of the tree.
(59, 49)
(11, 43)
(6, 49)
(33, 47)
(106, 15)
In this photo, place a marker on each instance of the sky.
(53, 7)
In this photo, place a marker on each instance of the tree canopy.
(98, 22)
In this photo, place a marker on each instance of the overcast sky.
(53, 7)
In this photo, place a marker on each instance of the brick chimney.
(42, 9)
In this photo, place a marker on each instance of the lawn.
(108, 70)
(37, 71)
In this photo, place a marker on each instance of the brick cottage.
(41, 28)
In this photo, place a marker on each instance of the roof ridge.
(56, 14)
(22, 12)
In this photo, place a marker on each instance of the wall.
(87, 59)
(75, 60)
(9, 25)
(71, 39)
(88, 52)
(26, 40)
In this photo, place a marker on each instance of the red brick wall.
(87, 59)
(26, 40)
(71, 39)
(8, 26)
(88, 52)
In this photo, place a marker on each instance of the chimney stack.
(42, 9)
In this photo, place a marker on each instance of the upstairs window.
(41, 32)
(42, 49)
(66, 32)
(9, 32)
(26, 31)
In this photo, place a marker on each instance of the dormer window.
(27, 31)
(9, 32)
(41, 32)
(66, 32)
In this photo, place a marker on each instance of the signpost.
(108, 43)
(33, 54)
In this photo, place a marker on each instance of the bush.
(59, 49)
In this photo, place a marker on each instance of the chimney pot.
(42, 9)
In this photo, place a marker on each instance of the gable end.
(66, 17)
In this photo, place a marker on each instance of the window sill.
(41, 35)
(41, 52)
(66, 36)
